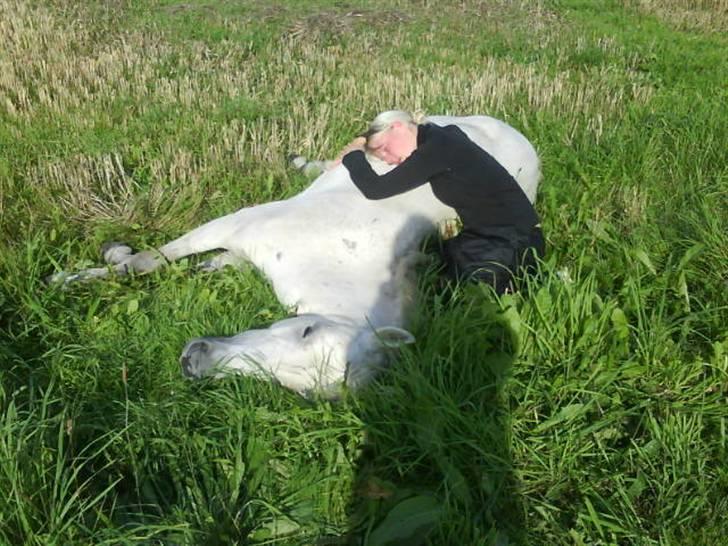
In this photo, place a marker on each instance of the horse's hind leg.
(213, 235)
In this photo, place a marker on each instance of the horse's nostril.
(193, 359)
(187, 368)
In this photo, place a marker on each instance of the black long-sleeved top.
(462, 175)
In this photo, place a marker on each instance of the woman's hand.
(359, 143)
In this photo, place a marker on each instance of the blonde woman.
(501, 235)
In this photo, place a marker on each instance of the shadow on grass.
(436, 465)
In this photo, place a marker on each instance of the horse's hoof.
(61, 277)
(297, 161)
(114, 252)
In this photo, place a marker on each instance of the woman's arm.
(414, 171)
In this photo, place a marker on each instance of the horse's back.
(505, 143)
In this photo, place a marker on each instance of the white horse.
(340, 260)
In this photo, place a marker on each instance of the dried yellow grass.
(702, 15)
(52, 68)
(634, 203)
(90, 187)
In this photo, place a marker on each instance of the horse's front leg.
(210, 236)
(213, 235)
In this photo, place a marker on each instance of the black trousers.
(494, 256)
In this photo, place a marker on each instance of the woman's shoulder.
(445, 134)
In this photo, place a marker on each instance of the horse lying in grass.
(344, 263)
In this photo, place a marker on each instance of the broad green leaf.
(642, 256)
(593, 515)
(632, 369)
(407, 523)
(690, 253)
(620, 323)
(512, 320)
(638, 485)
(543, 300)
(456, 482)
(279, 527)
(599, 230)
(132, 307)
(566, 413)
(719, 352)
(682, 289)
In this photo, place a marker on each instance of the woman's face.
(395, 144)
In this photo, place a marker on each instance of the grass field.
(590, 410)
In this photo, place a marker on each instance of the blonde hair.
(384, 121)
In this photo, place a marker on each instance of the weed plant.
(588, 409)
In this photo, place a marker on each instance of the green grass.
(589, 409)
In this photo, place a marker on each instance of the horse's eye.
(307, 331)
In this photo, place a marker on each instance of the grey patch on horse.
(351, 245)
(279, 255)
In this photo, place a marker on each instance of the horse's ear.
(394, 337)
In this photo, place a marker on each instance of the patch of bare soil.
(344, 21)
